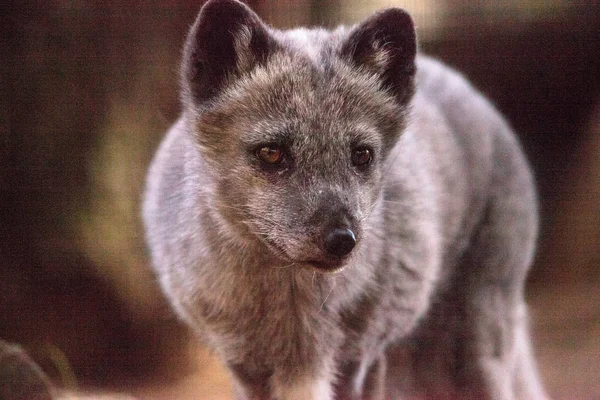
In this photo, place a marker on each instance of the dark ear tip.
(394, 18)
(222, 5)
(400, 13)
(395, 13)
(222, 13)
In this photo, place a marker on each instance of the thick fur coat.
(338, 217)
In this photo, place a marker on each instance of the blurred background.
(88, 88)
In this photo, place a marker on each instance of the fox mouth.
(326, 266)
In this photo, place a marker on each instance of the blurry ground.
(566, 333)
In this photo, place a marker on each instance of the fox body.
(340, 218)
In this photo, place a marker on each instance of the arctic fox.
(327, 197)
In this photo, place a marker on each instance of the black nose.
(340, 242)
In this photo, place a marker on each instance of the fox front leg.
(362, 380)
(250, 383)
(266, 385)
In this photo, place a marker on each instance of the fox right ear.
(386, 45)
(227, 40)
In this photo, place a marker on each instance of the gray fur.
(445, 217)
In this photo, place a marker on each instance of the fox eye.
(270, 154)
(361, 157)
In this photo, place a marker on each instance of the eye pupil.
(270, 154)
(361, 157)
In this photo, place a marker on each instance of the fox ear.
(385, 44)
(227, 40)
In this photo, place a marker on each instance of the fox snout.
(336, 244)
(339, 242)
(336, 235)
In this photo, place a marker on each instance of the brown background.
(87, 89)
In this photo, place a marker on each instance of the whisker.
(326, 297)
(369, 212)
(292, 264)
(392, 161)
(395, 201)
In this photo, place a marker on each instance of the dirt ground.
(566, 333)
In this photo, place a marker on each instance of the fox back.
(338, 217)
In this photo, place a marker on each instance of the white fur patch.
(359, 380)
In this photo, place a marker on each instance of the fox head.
(295, 127)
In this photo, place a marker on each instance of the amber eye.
(361, 157)
(270, 154)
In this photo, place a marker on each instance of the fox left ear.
(386, 44)
(227, 40)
